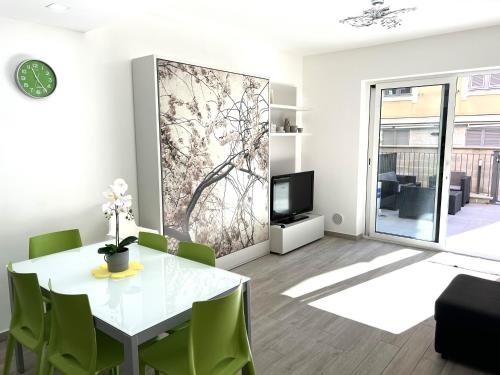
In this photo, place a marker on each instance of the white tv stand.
(288, 237)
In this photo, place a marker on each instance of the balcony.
(474, 228)
(478, 163)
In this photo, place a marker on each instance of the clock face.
(36, 79)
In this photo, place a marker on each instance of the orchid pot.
(117, 262)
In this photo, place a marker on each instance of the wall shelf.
(289, 107)
(288, 134)
(285, 148)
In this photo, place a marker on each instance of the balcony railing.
(479, 164)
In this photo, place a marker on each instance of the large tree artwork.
(214, 146)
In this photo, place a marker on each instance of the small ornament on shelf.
(287, 125)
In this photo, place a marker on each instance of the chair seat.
(229, 366)
(174, 347)
(109, 355)
(26, 338)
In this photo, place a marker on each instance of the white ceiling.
(300, 26)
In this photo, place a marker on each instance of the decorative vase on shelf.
(116, 255)
(287, 125)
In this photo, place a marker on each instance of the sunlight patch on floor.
(395, 301)
(333, 277)
(481, 242)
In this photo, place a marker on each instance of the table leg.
(131, 356)
(19, 358)
(18, 347)
(246, 309)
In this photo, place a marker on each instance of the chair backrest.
(55, 242)
(456, 177)
(72, 333)
(218, 332)
(153, 241)
(432, 181)
(27, 309)
(197, 252)
(388, 176)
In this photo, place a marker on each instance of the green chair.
(75, 346)
(29, 323)
(50, 243)
(154, 241)
(197, 252)
(215, 343)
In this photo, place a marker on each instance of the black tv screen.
(291, 194)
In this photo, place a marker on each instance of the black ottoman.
(468, 322)
(454, 202)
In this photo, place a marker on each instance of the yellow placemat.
(102, 272)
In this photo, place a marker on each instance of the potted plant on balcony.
(116, 254)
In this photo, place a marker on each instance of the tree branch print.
(214, 145)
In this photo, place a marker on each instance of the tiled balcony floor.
(474, 230)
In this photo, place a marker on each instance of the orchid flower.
(117, 202)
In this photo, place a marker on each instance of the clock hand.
(36, 77)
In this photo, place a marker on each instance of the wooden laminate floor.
(291, 337)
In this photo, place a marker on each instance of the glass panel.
(473, 221)
(409, 161)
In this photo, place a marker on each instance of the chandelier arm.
(403, 10)
(378, 14)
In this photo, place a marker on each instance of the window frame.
(483, 136)
(487, 89)
(394, 137)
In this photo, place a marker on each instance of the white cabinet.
(288, 237)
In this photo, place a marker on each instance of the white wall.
(332, 85)
(282, 155)
(58, 154)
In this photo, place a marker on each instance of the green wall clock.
(36, 78)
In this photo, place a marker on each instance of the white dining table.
(138, 308)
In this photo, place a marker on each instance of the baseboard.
(343, 235)
(243, 256)
(3, 335)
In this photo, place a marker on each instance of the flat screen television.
(291, 195)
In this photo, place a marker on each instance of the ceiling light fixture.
(378, 14)
(57, 7)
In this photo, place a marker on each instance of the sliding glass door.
(411, 128)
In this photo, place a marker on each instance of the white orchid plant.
(118, 203)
